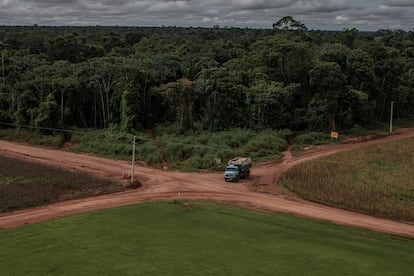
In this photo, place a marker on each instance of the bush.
(197, 151)
(312, 138)
(32, 137)
(183, 152)
(266, 144)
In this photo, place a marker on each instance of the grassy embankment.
(189, 151)
(25, 184)
(376, 180)
(184, 152)
(198, 239)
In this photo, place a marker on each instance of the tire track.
(170, 185)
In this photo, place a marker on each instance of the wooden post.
(391, 115)
(133, 162)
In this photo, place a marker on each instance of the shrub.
(312, 138)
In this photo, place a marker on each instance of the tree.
(287, 61)
(388, 68)
(101, 75)
(329, 84)
(181, 96)
(266, 102)
(129, 112)
(66, 47)
(46, 114)
(288, 23)
(207, 95)
(63, 80)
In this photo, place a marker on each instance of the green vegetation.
(24, 184)
(180, 238)
(199, 150)
(110, 142)
(183, 151)
(355, 134)
(32, 137)
(376, 180)
(204, 79)
(312, 138)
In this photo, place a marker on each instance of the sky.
(369, 15)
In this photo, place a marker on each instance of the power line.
(130, 137)
(160, 141)
(41, 128)
(321, 116)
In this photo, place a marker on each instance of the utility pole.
(133, 162)
(2, 65)
(3, 46)
(391, 115)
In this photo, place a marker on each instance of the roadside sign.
(334, 135)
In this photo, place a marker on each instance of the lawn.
(199, 238)
(376, 179)
(25, 184)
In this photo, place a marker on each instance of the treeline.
(204, 79)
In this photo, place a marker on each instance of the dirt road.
(169, 185)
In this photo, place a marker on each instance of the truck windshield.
(231, 169)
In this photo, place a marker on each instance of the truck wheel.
(248, 174)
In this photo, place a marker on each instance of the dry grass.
(25, 184)
(376, 180)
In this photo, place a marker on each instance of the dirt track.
(168, 185)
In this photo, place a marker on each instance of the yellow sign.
(334, 134)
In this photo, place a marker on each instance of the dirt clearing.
(261, 191)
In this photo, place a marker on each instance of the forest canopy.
(207, 79)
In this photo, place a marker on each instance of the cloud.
(341, 18)
(399, 3)
(260, 4)
(316, 14)
(165, 6)
(322, 6)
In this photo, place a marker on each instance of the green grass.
(32, 137)
(186, 152)
(112, 143)
(206, 239)
(376, 179)
(25, 184)
(198, 150)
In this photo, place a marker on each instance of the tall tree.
(266, 102)
(329, 84)
(181, 96)
(288, 23)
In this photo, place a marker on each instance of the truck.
(237, 168)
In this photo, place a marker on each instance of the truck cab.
(232, 173)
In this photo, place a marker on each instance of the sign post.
(334, 135)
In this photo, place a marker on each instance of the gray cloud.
(399, 3)
(322, 6)
(260, 4)
(316, 14)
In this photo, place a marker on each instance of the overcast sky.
(315, 14)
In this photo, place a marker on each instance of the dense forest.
(203, 79)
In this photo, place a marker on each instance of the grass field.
(376, 180)
(24, 184)
(199, 239)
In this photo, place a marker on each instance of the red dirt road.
(169, 185)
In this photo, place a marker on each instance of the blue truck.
(237, 168)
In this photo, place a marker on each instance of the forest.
(197, 79)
